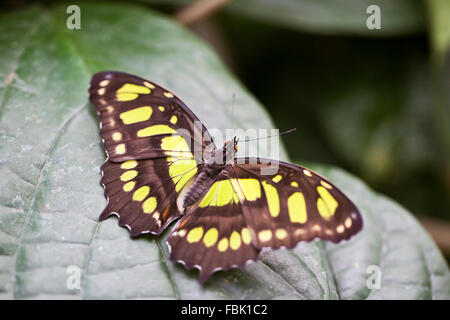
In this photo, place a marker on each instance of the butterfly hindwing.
(136, 114)
(213, 235)
(248, 209)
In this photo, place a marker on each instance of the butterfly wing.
(155, 146)
(136, 115)
(245, 210)
(292, 204)
(143, 193)
(213, 235)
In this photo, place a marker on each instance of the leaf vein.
(169, 273)
(44, 166)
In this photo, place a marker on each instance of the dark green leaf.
(329, 16)
(336, 17)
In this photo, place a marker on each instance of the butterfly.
(162, 165)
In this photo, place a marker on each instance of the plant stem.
(439, 230)
(199, 10)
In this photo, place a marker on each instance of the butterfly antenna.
(274, 135)
(232, 112)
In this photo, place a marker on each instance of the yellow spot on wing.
(210, 196)
(247, 189)
(175, 143)
(136, 115)
(348, 223)
(219, 194)
(246, 236)
(326, 185)
(226, 194)
(326, 204)
(134, 88)
(277, 178)
(101, 91)
(281, 234)
(297, 208)
(174, 119)
(211, 237)
(272, 199)
(130, 164)
(128, 175)
(148, 84)
(161, 108)
(323, 209)
(104, 83)
(223, 245)
(117, 136)
(340, 228)
(195, 235)
(307, 172)
(141, 193)
(128, 186)
(235, 240)
(168, 94)
(181, 171)
(126, 96)
(120, 149)
(155, 130)
(149, 205)
(265, 235)
(131, 91)
(294, 184)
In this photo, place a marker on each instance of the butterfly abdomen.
(201, 184)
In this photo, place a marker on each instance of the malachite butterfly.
(163, 166)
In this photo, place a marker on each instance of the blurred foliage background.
(374, 102)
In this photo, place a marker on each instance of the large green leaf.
(392, 239)
(398, 17)
(336, 16)
(50, 155)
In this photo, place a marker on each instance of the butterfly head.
(230, 147)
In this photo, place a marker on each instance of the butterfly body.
(163, 165)
(212, 167)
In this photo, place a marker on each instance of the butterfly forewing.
(136, 114)
(293, 204)
(150, 156)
